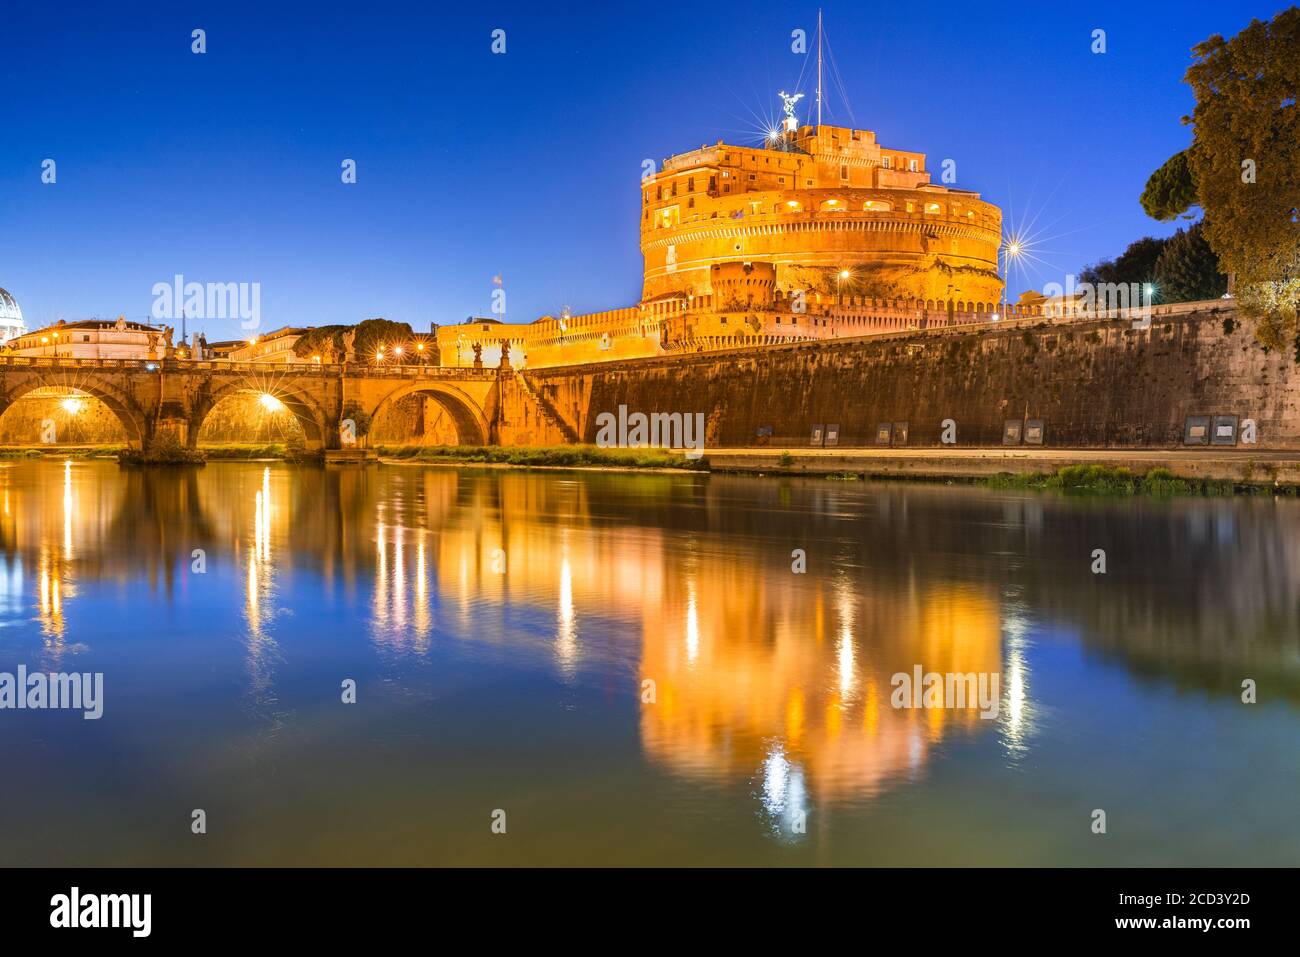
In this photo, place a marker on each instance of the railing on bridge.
(386, 371)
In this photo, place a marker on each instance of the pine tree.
(1188, 270)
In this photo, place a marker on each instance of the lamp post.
(1012, 250)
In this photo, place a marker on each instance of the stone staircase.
(547, 411)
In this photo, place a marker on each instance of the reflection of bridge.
(150, 397)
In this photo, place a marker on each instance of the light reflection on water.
(503, 628)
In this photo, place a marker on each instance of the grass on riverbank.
(556, 455)
(172, 453)
(1108, 480)
(232, 450)
(62, 452)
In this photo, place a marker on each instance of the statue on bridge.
(505, 353)
(478, 355)
(349, 337)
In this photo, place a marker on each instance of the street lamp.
(1012, 250)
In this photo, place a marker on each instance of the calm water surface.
(500, 624)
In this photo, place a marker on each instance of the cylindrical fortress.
(831, 210)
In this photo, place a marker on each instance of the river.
(618, 668)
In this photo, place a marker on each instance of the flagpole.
(819, 66)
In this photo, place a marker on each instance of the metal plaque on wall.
(1224, 431)
(1197, 430)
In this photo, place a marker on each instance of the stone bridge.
(150, 397)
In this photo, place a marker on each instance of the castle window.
(887, 162)
(933, 209)
(690, 203)
(753, 176)
(808, 182)
(877, 206)
(690, 184)
(713, 184)
(781, 180)
(674, 187)
(911, 165)
(844, 171)
(659, 192)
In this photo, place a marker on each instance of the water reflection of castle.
(685, 580)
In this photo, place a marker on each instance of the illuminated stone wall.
(1096, 383)
(834, 200)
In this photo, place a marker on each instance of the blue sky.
(225, 167)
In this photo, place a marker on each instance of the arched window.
(877, 206)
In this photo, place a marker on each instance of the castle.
(820, 233)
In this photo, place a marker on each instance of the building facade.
(817, 203)
(821, 233)
(95, 339)
(275, 346)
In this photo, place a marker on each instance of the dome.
(11, 317)
(9, 307)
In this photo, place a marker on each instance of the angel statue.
(788, 103)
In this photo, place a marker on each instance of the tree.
(1137, 264)
(372, 337)
(381, 335)
(1188, 270)
(324, 341)
(1170, 192)
(1245, 162)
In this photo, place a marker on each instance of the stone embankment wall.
(1099, 383)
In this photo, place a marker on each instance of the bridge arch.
(297, 400)
(472, 426)
(16, 384)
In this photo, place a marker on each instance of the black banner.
(334, 906)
